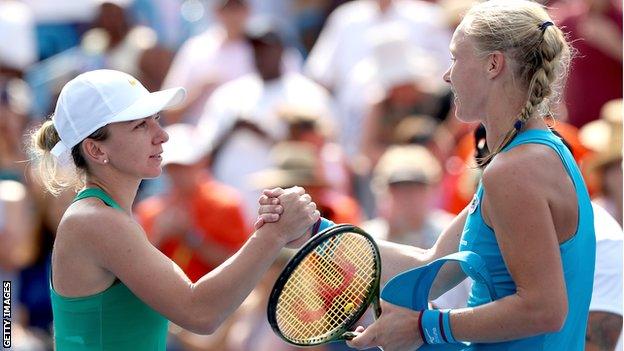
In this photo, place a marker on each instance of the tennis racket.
(326, 287)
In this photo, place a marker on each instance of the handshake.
(289, 212)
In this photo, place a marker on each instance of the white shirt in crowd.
(344, 39)
(54, 11)
(17, 26)
(256, 101)
(208, 57)
(607, 293)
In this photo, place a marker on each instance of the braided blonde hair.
(536, 49)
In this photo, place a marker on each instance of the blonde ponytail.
(53, 176)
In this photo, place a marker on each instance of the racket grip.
(320, 225)
(350, 335)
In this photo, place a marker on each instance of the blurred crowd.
(344, 98)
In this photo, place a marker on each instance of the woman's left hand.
(395, 330)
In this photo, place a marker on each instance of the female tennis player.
(531, 218)
(110, 288)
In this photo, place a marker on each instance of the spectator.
(18, 45)
(18, 247)
(219, 54)
(242, 115)
(17, 232)
(309, 127)
(117, 40)
(298, 163)
(15, 101)
(343, 42)
(604, 136)
(604, 327)
(596, 31)
(406, 184)
(113, 42)
(59, 24)
(350, 37)
(406, 86)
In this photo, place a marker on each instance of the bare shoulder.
(531, 167)
(97, 227)
(90, 216)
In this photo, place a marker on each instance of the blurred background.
(345, 98)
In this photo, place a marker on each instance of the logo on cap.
(132, 82)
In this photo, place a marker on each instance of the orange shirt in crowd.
(335, 206)
(216, 211)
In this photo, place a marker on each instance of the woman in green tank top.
(110, 288)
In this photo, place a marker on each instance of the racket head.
(298, 309)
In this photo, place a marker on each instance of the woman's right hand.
(299, 214)
(270, 208)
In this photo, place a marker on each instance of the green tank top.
(114, 319)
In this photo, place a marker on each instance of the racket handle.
(320, 225)
(350, 335)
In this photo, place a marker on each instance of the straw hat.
(604, 136)
(407, 164)
(296, 163)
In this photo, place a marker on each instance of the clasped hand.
(293, 209)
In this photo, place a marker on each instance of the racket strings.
(328, 286)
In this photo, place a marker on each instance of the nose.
(447, 76)
(161, 135)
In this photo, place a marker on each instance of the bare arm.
(397, 258)
(520, 215)
(17, 235)
(369, 144)
(124, 250)
(603, 331)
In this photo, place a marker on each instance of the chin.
(153, 173)
(466, 117)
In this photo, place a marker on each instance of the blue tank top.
(577, 256)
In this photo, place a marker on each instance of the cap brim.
(151, 104)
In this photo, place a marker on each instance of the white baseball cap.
(97, 98)
(185, 146)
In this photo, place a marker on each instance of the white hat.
(185, 145)
(97, 98)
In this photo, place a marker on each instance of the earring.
(105, 161)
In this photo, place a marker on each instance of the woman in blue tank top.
(530, 220)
